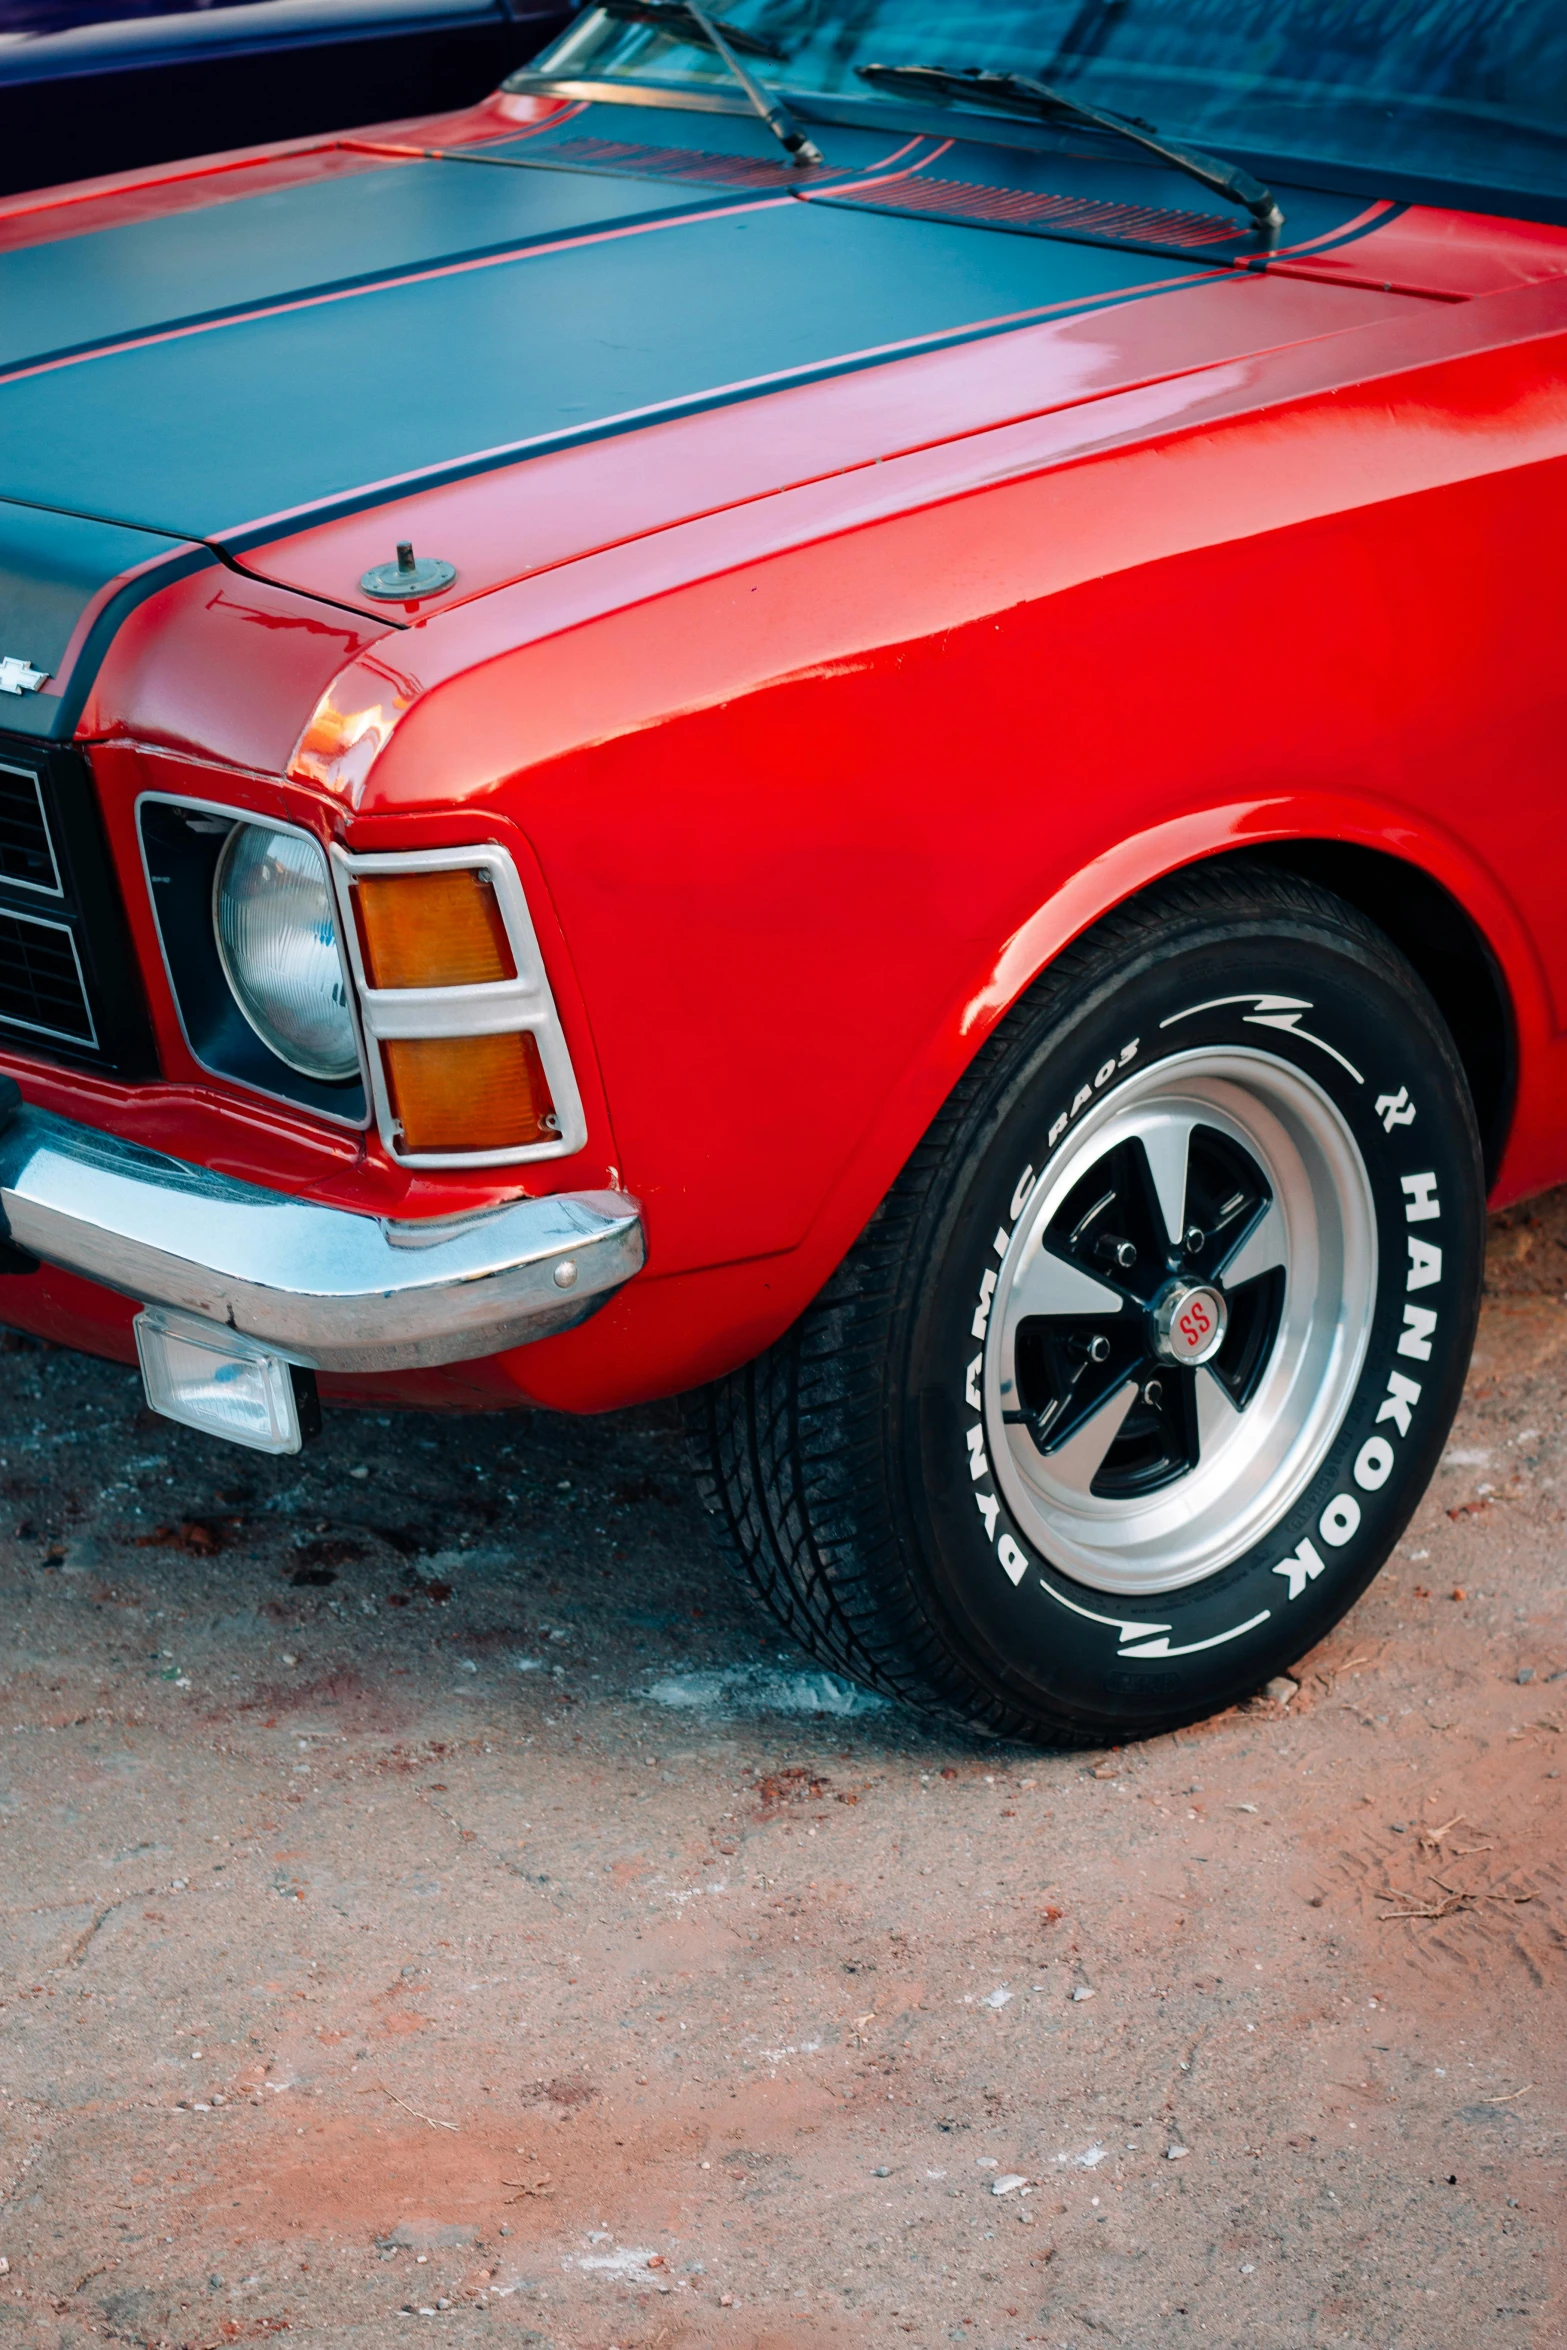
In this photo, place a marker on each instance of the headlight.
(277, 937)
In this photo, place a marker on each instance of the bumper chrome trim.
(329, 1289)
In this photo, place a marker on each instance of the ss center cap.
(1189, 1322)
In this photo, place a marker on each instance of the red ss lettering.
(1195, 1323)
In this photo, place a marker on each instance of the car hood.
(232, 368)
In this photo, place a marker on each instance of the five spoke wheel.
(1178, 1302)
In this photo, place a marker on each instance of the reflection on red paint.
(818, 725)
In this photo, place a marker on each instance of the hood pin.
(408, 577)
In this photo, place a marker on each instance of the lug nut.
(1196, 1240)
(1153, 1394)
(1092, 1350)
(1117, 1252)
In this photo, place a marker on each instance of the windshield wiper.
(679, 21)
(684, 20)
(1018, 94)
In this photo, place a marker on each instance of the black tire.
(848, 1466)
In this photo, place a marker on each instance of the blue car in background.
(90, 86)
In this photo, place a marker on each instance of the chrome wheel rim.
(1136, 1453)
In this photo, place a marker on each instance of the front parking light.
(456, 1093)
(442, 929)
(468, 1063)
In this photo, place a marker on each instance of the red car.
(803, 717)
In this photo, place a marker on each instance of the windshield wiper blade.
(1018, 94)
(687, 21)
(674, 17)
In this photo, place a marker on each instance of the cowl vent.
(1035, 209)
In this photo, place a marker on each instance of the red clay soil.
(434, 1900)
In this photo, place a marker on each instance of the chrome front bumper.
(325, 1288)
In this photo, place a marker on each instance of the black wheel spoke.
(1111, 1224)
(1226, 1199)
(1256, 1309)
(1068, 1367)
(1158, 1439)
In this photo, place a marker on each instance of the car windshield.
(1455, 92)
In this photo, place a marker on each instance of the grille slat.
(40, 979)
(26, 852)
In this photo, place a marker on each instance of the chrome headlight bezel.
(182, 841)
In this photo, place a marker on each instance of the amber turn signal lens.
(468, 1093)
(432, 929)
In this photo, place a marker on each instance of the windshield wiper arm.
(1018, 94)
(687, 21)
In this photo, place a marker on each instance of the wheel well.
(1447, 949)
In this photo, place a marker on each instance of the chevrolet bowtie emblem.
(18, 676)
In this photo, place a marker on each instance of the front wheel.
(1133, 1381)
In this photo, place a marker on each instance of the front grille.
(68, 983)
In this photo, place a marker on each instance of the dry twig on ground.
(1453, 1901)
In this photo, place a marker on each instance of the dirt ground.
(432, 1898)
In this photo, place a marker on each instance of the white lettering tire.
(1132, 1383)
